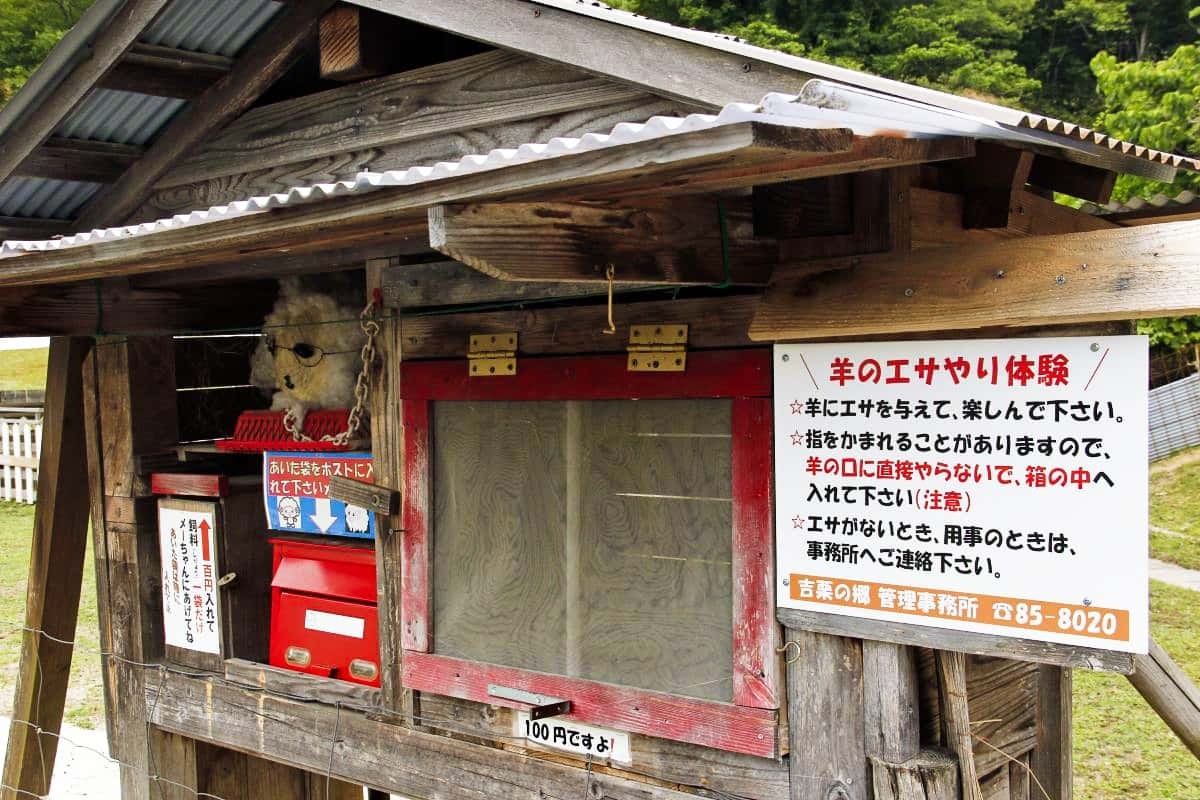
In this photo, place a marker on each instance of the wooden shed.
(554, 208)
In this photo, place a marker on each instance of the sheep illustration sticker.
(296, 493)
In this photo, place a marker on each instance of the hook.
(610, 273)
(784, 651)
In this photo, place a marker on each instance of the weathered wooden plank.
(166, 71)
(55, 573)
(956, 718)
(977, 643)
(930, 775)
(713, 323)
(255, 180)
(1079, 277)
(25, 228)
(1020, 781)
(376, 498)
(85, 309)
(450, 283)
(675, 762)
(270, 55)
(79, 160)
(677, 241)
(300, 685)
(384, 756)
(892, 728)
(38, 121)
(353, 44)
(490, 90)
(1170, 693)
(827, 755)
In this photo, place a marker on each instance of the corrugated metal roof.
(108, 115)
(44, 198)
(220, 27)
(870, 116)
(1184, 201)
(1001, 114)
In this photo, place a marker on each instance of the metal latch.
(493, 354)
(542, 705)
(657, 348)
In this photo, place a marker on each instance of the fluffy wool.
(303, 318)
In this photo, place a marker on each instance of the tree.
(28, 31)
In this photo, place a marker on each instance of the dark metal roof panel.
(220, 27)
(44, 198)
(108, 115)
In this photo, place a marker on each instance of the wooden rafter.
(271, 54)
(1042, 280)
(166, 71)
(40, 121)
(79, 160)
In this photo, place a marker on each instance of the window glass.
(589, 539)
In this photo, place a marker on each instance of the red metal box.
(324, 613)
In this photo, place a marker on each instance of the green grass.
(1122, 748)
(23, 369)
(1175, 507)
(85, 698)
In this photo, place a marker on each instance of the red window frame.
(749, 723)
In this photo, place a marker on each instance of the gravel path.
(82, 768)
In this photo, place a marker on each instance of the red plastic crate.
(257, 431)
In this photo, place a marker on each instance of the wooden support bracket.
(1170, 693)
(659, 242)
(373, 497)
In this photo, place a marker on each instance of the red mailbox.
(324, 613)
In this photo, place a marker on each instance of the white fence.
(20, 446)
(1174, 417)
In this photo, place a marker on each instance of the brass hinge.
(493, 354)
(657, 348)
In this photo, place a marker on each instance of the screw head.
(909, 292)
(747, 67)
(786, 357)
(1095, 347)
(1061, 280)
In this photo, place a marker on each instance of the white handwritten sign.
(990, 486)
(187, 542)
(574, 737)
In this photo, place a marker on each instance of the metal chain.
(362, 388)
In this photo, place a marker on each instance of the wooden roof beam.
(271, 54)
(79, 160)
(676, 241)
(35, 126)
(1094, 276)
(166, 72)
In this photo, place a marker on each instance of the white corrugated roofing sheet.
(829, 105)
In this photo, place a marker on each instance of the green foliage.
(1171, 333)
(1154, 103)
(28, 30)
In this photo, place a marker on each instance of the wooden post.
(1170, 693)
(55, 575)
(828, 758)
(387, 447)
(931, 775)
(1051, 759)
(952, 677)
(892, 729)
(130, 400)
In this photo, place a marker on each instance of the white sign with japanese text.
(997, 487)
(187, 541)
(574, 737)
